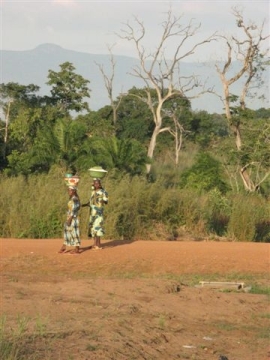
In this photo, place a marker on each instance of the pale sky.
(91, 26)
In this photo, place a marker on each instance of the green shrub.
(204, 175)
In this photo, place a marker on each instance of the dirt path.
(150, 256)
(137, 300)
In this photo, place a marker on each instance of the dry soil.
(136, 300)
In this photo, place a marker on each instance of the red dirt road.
(151, 257)
(137, 300)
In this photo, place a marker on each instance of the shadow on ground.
(108, 244)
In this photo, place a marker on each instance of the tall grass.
(250, 218)
(35, 207)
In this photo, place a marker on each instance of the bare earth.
(136, 300)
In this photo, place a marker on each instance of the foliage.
(134, 119)
(21, 107)
(262, 113)
(40, 136)
(68, 89)
(70, 135)
(256, 148)
(205, 174)
(18, 163)
(125, 155)
(52, 144)
(18, 95)
(253, 156)
(97, 123)
(205, 128)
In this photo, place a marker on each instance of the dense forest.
(172, 172)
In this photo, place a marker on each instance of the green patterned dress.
(96, 221)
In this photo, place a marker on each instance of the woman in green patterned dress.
(98, 198)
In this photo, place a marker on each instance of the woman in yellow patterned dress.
(72, 224)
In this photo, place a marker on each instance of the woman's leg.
(97, 230)
(96, 245)
(63, 249)
(98, 241)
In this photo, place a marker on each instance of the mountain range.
(32, 67)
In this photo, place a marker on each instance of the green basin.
(97, 172)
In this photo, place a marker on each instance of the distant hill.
(32, 66)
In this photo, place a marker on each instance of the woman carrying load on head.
(98, 198)
(72, 224)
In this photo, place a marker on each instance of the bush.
(204, 175)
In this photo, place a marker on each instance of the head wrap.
(72, 187)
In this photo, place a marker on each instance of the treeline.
(40, 132)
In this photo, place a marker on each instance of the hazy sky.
(91, 26)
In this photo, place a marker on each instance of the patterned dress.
(97, 200)
(72, 232)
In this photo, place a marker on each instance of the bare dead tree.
(248, 51)
(109, 81)
(161, 74)
(177, 132)
(6, 128)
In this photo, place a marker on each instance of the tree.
(125, 155)
(23, 109)
(98, 123)
(178, 133)
(179, 111)
(262, 113)
(70, 137)
(205, 129)
(108, 81)
(250, 56)
(160, 74)
(6, 129)
(22, 94)
(134, 118)
(254, 152)
(68, 89)
(13, 99)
